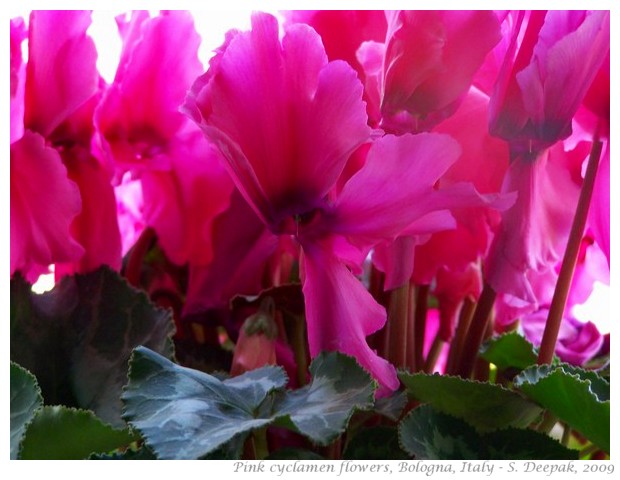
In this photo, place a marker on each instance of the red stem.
(476, 332)
(556, 311)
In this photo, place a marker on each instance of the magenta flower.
(43, 204)
(18, 34)
(76, 226)
(142, 132)
(545, 79)
(577, 341)
(538, 92)
(286, 121)
(419, 76)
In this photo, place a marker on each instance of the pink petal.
(430, 61)
(129, 207)
(18, 78)
(451, 289)
(140, 112)
(567, 57)
(599, 216)
(96, 227)
(241, 245)
(534, 232)
(181, 204)
(62, 72)
(44, 203)
(284, 118)
(541, 89)
(577, 342)
(484, 159)
(343, 31)
(340, 314)
(394, 188)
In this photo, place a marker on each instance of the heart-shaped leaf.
(485, 406)
(578, 397)
(61, 433)
(510, 350)
(187, 414)
(77, 338)
(321, 410)
(25, 401)
(430, 435)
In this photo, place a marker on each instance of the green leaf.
(187, 414)
(25, 400)
(294, 454)
(61, 433)
(391, 407)
(142, 453)
(510, 350)
(77, 338)
(375, 443)
(578, 397)
(322, 409)
(514, 444)
(483, 405)
(430, 435)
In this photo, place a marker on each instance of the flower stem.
(259, 439)
(300, 348)
(398, 314)
(458, 339)
(476, 332)
(556, 311)
(433, 354)
(419, 322)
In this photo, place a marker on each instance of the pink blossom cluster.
(436, 148)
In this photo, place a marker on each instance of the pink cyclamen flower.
(545, 78)
(286, 121)
(577, 342)
(141, 131)
(541, 85)
(77, 229)
(419, 76)
(43, 204)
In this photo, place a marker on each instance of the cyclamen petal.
(18, 78)
(599, 215)
(61, 73)
(340, 314)
(241, 249)
(284, 118)
(394, 188)
(44, 202)
(139, 114)
(96, 227)
(540, 90)
(430, 61)
(534, 231)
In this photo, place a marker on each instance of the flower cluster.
(391, 166)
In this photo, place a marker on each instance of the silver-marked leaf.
(578, 397)
(25, 401)
(187, 414)
(61, 433)
(429, 435)
(485, 406)
(391, 407)
(77, 338)
(322, 409)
